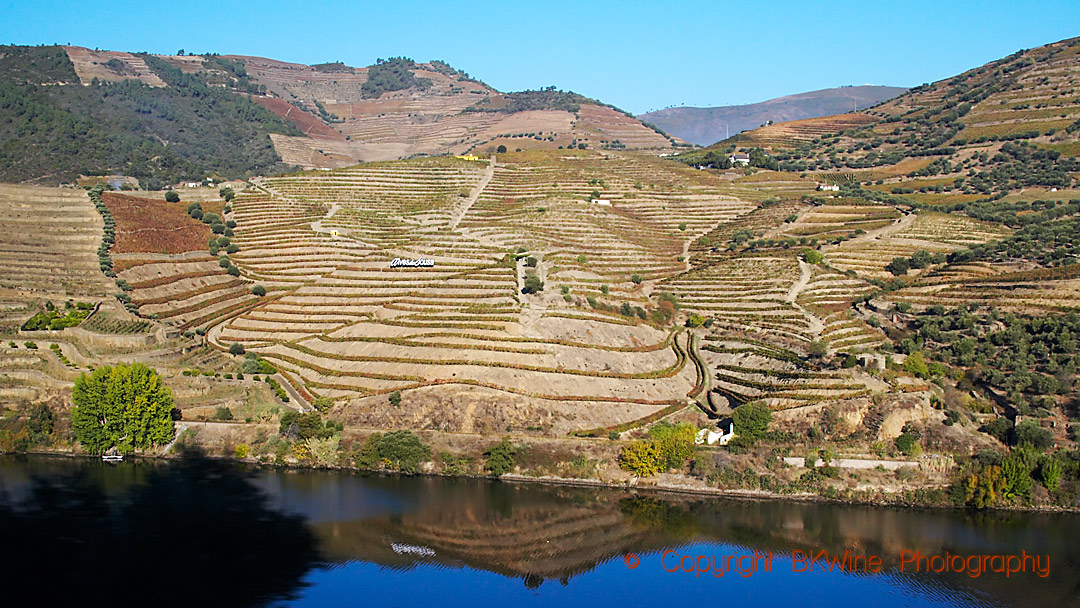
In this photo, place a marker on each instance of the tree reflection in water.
(195, 532)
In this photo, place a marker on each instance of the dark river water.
(211, 533)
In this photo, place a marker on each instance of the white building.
(717, 437)
(739, 158)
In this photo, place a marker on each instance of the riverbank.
(665, 484)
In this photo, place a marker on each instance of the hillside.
(872, 275)
(436, 109)
(165, 119)
(137, 116)
(705, 126)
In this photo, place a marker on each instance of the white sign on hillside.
(412, 263)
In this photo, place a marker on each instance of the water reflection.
(184, 534)
(197, 531)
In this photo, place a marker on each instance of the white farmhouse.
(739, 158)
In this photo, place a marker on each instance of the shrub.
(908, 445)
(258, 290)
(812, 256)
(223, 413)
(695, 320)
(898, 266)
(172, 197)
(752, 420)
(1030, 434)
(233, 270)
(397, 450)
(501, 149)
(236, 348)
(641, 457)
(915, 364)
(395, 398)
(499, 459)
(242, 450)
(636, 279)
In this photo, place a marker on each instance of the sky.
(639, 56)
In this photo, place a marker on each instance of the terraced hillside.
(447, 112)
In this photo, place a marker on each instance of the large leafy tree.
(126, 407)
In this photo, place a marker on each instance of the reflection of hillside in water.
(537, 533)
(540, 532)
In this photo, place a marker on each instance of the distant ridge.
(705, 126)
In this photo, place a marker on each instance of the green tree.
(172, 197)
(898, 266)
(236, 348)
(1030, 434)
(695, 320)
(258, 290)
(921, 259)
(1050, 470)
(499, 459)
(41, 424)
(501, 149)
(908, 445)
(125, 407)
(752, 420)
(397, 450)
(226, 193)
(915, 364)
(395, 398)
(812, 256)
(1017, 476)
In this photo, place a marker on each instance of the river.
(214, 533)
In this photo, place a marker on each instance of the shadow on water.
(196, 531)
(190, 532)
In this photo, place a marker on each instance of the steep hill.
(409, 109)
(704, 126)
(1010, 124)
(164, 119)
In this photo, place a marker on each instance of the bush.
(812, 256)
(236, 348)
(397, 450)
(898, 266)
(499, 459)
(501, 149)
(641, 457)
(752, 420)
(915, 364)
(242, 450)
(395, 398)
(1030, 434)
(637, 279)
(908, 445)
(258, 290)
(172, 197)
(233, 270)
(223, 413)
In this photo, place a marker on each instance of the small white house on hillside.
(739, 158)
(725, 431)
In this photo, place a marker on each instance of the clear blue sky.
(637, 55)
